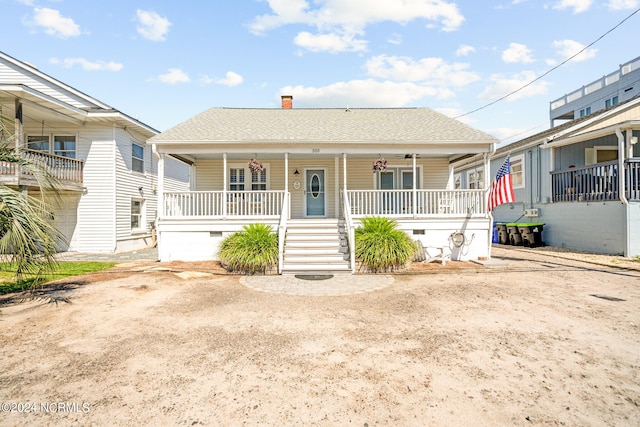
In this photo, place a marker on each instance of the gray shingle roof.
(326, 125)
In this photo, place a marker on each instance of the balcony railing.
(428, 203)
(194, 204)
(61, 168)
(586, 183)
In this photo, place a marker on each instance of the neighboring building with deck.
(107, 172)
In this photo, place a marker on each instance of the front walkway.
(331, 285)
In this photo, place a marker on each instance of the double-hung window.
(137, 157)
(475, 179)
(137, 215)
(517, 171)
(236, 179)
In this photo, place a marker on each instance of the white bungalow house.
(580, 179)
(315, 181)
(107, 173)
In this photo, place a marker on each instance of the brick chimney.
(287, 102)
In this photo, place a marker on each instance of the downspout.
(622, 188)
(159, 194)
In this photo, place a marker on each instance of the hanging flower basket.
(255, 166)
(380, 165)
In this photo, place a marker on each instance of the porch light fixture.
(296, 172)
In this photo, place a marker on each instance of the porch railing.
(428, 203)
(632, 178)
(586, 183)
(62, 168)
(190, 204)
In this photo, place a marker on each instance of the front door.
(315, 192)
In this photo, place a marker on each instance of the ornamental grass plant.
(381, 246)
(253, 250)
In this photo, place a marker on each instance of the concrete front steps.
(315, 246)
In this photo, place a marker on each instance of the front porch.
(599, 182)
(195, 222)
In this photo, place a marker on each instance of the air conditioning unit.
(531, 213)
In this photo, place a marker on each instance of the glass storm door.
(315, 192)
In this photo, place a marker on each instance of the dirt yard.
(542, 340)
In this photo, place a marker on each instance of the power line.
(550, 70)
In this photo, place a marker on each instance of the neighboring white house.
(100, 155)
(314, 181)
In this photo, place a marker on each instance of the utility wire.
(552, 69)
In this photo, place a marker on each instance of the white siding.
(96, 209)
(133, 185)
(10, 74)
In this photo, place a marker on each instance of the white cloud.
(363, 93)
(465, 50)
(395, 39)
(332, 43)
(231, 79)
(578, 6)
(622, 4)
(87, 65)
(53, 23)
(517, 53)
(152, 26)
(503, 85)
(357, 13)
(568, 48)
(434, 71)
(340, 18)
(174, 76)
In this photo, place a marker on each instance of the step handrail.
(282, 230)
(350, 231)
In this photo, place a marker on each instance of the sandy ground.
(542, 340)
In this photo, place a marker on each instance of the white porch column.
(415, 189)
(160, 188)
(344, 170)
(336, 186)
(286, 172)
(224, 185)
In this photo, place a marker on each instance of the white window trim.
(516, 159)
(51, 138)
(247, 175)
(480, 181)
(142, 228)
(144, 166)
(603, 148)
(397, 176)
(457, 177)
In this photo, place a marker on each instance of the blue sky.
(165, 61)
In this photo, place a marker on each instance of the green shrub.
(380, 246)
(250, 251)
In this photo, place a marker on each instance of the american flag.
(502, 188)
